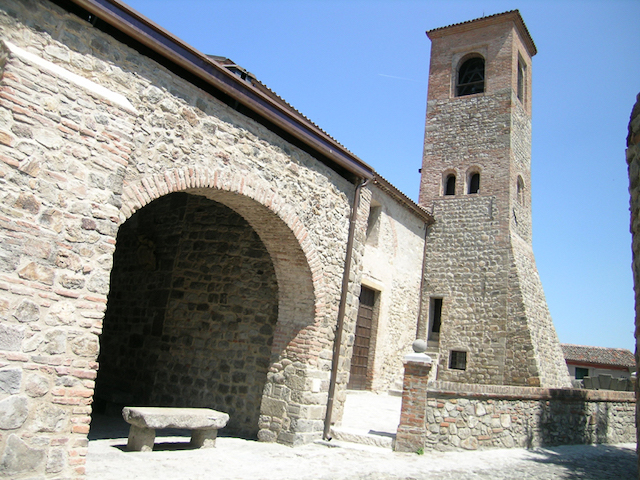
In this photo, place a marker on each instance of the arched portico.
(283, 237)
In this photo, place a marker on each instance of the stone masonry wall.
(450, 416)
(633, 162)
(493, 303)
(191, 313)
(461, 138)
(472, 417)
(473, 132)
(527, 301)
(392, 266)
(92, 131)
(464, 264)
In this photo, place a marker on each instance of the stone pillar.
(412, 431)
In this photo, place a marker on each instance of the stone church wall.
(91, 131)
(392, 266)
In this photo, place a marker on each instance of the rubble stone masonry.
(453, 416)
(476, 416)
(91, 132)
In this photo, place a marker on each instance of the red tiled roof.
(598, 355)
(491, 19)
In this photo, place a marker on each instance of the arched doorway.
(191, 314)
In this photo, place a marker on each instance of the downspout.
(341, 310)
(421, 293)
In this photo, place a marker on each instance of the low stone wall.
(464, 416)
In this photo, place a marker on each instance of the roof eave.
(603, 366)
(135, 25)
(513, 15)
(401, 198)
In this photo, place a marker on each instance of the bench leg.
(141, 439)
(204, 438)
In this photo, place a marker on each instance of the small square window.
(581, 373)
(458, 360)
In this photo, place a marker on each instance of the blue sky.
(359, 70)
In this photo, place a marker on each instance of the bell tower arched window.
(470, 77)
(450, 185)
(474, 183)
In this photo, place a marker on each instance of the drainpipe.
(419, 324)
(341, 310)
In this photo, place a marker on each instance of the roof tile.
(599, 355)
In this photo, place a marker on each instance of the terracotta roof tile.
(469, 24)
(598, 355)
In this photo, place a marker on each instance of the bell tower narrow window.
(522, 76)
(470, 77)
(450, 185)
(474, 183)
(520, 190)
(435, 318)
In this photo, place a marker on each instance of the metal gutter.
(141, 29)
(419, 323)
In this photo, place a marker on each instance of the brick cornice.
(453, 389)
(513, 15)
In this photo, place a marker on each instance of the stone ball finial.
(419, 346)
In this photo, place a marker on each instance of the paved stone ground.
(238, 459)
(235, 458)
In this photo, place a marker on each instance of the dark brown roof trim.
(603, 366)
(253, 80)
(401, 198)
(142, 30)
(490, 20)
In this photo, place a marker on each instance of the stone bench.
(203, 423)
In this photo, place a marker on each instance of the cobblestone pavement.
(600, 462)
(238, 459)
(234, 458)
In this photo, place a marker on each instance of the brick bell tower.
(485, 311)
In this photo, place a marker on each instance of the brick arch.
(285, 237)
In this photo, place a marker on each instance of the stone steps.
(371, 438)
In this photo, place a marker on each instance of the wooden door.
(360, 356)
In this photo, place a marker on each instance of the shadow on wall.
(568, 419)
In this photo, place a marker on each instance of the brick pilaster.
(412, 430)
